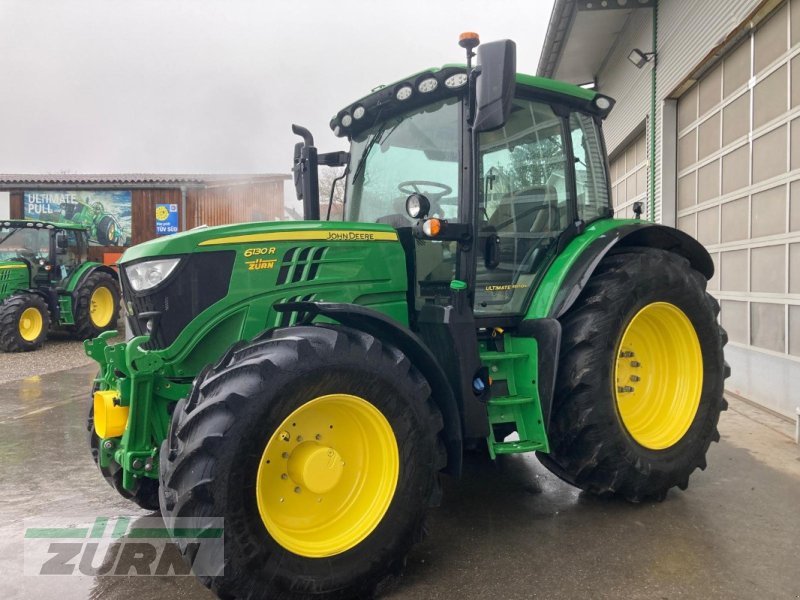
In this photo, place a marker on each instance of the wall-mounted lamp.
(639, 58)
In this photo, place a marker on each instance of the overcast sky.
(109, 86)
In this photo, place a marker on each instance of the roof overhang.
(580, 36)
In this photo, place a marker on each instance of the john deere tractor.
(308, 382)
(46, 281)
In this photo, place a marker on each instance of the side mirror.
(306, 180)
(61, 244)
(496, 82)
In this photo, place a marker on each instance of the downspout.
(183, 208)
(653, 115)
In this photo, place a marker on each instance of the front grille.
(200, 280)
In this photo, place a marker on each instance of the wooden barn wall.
(216, 205)
(234, 204)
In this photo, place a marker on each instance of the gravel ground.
(59, 352)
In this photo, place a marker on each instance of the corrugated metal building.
(122, 210)
(706, 131)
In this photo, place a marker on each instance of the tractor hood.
(245, 235)
(191, 288)
(13, 276)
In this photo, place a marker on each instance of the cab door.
(524, 204)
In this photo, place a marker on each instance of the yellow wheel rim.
(101, 306)
(30, 324)
(327, 475)
(659, 375)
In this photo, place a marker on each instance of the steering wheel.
(412, 187)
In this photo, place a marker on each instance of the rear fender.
(85, 271)
(633, 234)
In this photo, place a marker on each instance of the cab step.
(516, 447)
(513, 373)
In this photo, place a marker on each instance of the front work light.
(456, 81)
(347, 120)
(417, 206)
(404, 93)
(145, 275)
(427, 85)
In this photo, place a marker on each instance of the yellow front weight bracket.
(110, 419)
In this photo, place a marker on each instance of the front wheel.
(96, 307)
(319, 447)
(640, 379)
(24, 321)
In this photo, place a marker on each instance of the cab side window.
(590, 168)
(524, 202)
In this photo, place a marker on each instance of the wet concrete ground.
(507, 530)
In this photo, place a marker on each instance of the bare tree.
(328, 177)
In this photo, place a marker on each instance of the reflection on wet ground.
(505, 530)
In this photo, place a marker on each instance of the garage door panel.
(769, 99)
(769, 212)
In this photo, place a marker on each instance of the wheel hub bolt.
(285, 436)
(297, 490)
(636, 364)
(626, 354)
(284, 476)
(624, 389)
(634, 378)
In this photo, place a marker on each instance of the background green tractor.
(308, 382)
(46, 281)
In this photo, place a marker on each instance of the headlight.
(146, 275)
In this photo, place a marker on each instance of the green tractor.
(46, 281)
(104, 228)
(308, 382)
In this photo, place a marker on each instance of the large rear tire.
(640, 379)
(24, 322)
(319, 447)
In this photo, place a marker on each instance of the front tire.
(24, 322)
(96, 306)
(319, 447)
(640, 381)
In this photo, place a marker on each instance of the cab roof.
(33, 224)
(384, 99)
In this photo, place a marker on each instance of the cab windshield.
(29, 244)
(415, 152)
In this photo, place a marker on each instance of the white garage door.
(738, 162)
(629, 177)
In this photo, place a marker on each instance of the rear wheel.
(640, 381)
(319, 447)
(107, 232)
(24, 322)
(96, 306)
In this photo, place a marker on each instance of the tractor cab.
(51, 252)
(485, 174)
